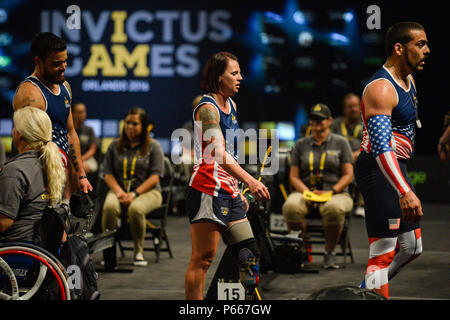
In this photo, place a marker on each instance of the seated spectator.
(88, 140)
(320, 163)
(133, 166)
(349, 126)
(31, 180)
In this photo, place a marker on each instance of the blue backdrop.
(293, 54)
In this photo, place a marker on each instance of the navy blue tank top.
(57, 107)
(228, 124)
(403, 117)
(208, 176)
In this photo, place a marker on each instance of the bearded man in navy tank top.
(389, 110)
(47, 89)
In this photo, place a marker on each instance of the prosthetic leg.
(239, 263)
(249, 274)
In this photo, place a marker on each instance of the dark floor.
(427, 277)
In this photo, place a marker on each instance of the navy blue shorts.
(383, 214)
(203, 206)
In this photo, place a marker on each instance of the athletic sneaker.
(329, 260)
(139, 260)
(359, 212)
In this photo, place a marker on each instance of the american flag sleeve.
(380, 133)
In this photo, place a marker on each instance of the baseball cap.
(320, 110)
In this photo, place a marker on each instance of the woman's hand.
(123, 198)
(245, 201)
(127, 199)
(259, 190)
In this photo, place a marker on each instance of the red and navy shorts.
(201, 206)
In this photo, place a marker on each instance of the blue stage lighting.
(338, 39)
(273, 16)
(299, 17)
(348, 16)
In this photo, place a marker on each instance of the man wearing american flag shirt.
(390, 116)
(47, 89)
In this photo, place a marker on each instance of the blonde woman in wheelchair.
(29, 182)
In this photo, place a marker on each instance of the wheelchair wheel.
(42, 268)
(13, 281)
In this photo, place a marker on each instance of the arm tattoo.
(209, 119)
(212, 134)
(73, 157)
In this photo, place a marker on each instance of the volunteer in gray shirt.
(31, 180)
(320, 163)
(133, 166)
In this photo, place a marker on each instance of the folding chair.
(315, 234)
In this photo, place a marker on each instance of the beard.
(53, 78)
(414, 67)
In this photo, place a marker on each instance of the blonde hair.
(35, 127)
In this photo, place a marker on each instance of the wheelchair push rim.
(47, 262)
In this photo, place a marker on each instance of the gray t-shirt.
(87, 137)
(138, 170)
(337, 152)
(354, 135)
(23, 196)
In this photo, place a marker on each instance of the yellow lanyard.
(125, 167)
(315, 179)
(355, 132)
(308, 131)
(322, 161)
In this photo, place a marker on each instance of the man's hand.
(84, 185)
(411, 207)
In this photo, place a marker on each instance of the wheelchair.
(29, 272)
